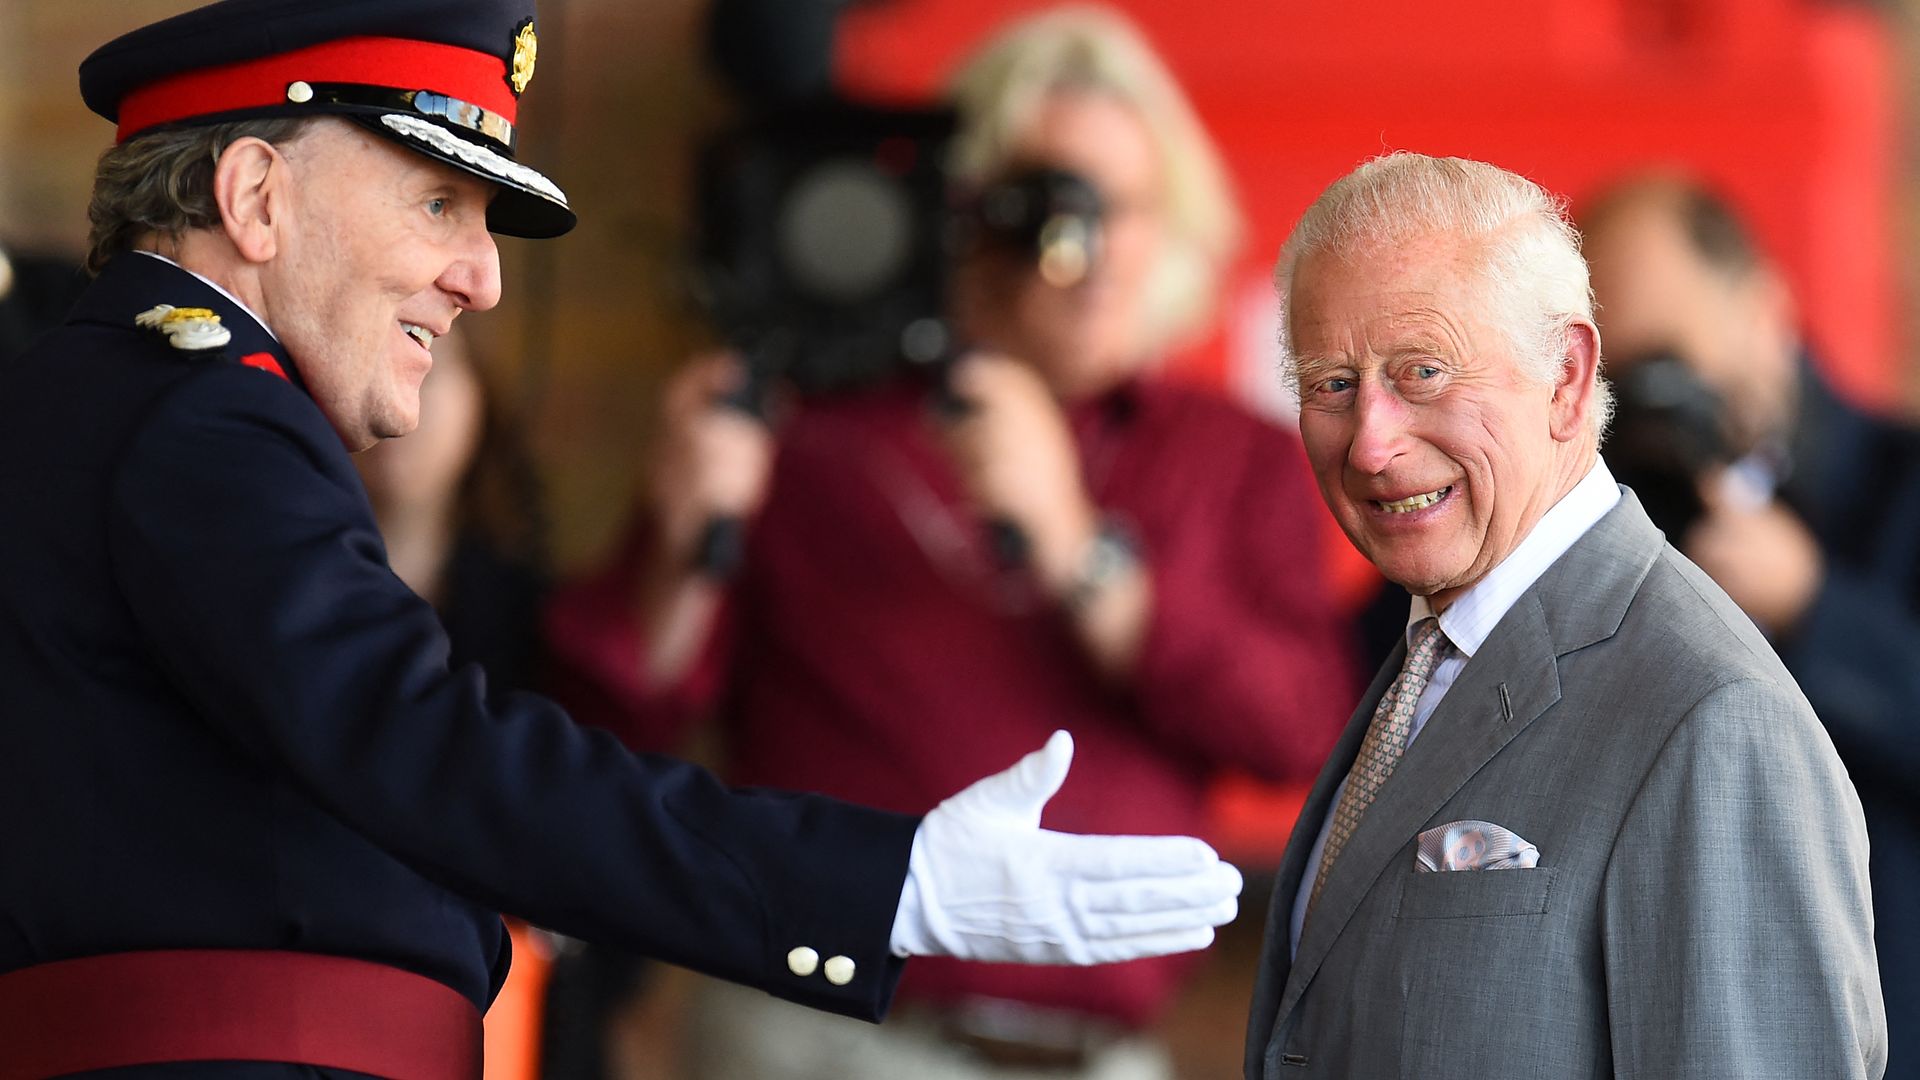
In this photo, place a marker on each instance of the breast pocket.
(1474, 954)
(1475, 894)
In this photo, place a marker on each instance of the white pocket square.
(1474, 845)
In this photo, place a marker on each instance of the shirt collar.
(216, 287)
(1472, 616)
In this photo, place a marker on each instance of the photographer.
(1808, 515)
(1167, 606)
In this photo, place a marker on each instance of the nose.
(1379, 428)
(473, 277)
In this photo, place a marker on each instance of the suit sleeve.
(1738, 919)
(249, 556)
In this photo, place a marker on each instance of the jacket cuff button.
(804, 961)
(839, 970)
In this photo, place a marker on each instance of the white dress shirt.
(1472, 616)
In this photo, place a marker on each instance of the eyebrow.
(1313, 364)
(1416, 344)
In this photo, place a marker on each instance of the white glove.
(986, 882)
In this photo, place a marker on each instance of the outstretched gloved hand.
(986, 882)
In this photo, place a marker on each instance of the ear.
(1573, 383)
(251, 182)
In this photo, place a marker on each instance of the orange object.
(516, 1019)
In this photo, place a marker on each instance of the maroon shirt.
(873, 648)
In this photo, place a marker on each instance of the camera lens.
(846, 231)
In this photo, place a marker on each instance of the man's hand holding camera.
(712, 463)
(1763, 556)
(1016, 457)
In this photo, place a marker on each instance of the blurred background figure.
(36, 292)
(459, 510)
(946, 559)
(1803, 507)
(459, 507)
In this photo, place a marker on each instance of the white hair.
(1095, 50)
(1529, 252)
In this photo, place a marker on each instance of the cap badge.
(526, 49)
(191, 329)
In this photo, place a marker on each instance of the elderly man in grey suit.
(1583, 824)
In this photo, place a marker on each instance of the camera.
(828, 235)
(1669, 432)
(823, 242)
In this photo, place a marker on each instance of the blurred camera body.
(1670, 433)
(829, 235)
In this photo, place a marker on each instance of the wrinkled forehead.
(1385, 258)
(1423, 277)
(1398, 326)
(332, 149)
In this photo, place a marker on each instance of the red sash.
(145, 1008)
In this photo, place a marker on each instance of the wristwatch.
(1111, 553)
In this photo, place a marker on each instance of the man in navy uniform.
(251, 816)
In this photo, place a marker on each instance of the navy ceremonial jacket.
(225, 723)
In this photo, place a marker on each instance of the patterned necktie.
(1381, 750)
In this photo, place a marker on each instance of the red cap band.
(476, 77)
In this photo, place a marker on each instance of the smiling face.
(382, 250)
(1433, 447)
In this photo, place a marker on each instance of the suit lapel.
(1508, 683)
(1306, 828)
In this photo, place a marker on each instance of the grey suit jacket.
(1700, 908)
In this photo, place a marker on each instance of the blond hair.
(1095, 50)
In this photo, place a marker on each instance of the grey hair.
(161, 182)
(1529, 251)
(1095, 50)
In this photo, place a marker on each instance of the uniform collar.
(217, 287)
(135, 282)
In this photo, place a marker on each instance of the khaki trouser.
(734, 1033)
